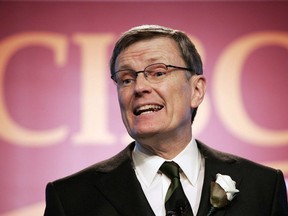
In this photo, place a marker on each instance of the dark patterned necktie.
(176, 203)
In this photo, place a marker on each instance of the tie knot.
(170, 169)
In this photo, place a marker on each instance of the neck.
(166, 147)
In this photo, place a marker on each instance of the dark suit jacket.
(111, 188)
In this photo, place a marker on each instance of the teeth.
(148, 109)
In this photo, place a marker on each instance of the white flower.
(222, 191)
(228, 185)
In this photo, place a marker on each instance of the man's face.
(165, 106)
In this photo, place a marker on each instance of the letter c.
(227, 89)
(9, 129)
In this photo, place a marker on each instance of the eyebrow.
(149, 61)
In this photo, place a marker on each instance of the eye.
(126, 78)
(126, 82)
(158, 73)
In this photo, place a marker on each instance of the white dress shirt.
(155, 185)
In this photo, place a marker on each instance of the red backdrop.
(58, 107)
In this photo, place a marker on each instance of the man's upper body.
(155, 184)
(160, 84)
(112, 188)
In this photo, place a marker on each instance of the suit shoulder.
(239, 162)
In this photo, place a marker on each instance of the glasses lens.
(156, 72)
(125, 77)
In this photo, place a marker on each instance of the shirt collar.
(147, 164)
(189, 161)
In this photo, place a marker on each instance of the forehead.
(160, 49)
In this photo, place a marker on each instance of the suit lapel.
(117, 181)
(119, 184)
(215, 162)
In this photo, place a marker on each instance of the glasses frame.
(113, 77)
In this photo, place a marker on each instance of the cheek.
(182, 100)
(124, 100)
(177, 94)
(124, 109)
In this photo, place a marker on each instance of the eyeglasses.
(154, 73)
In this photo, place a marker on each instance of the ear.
(198, 89)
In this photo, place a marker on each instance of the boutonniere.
(222, 191)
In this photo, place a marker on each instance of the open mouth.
(147, 109)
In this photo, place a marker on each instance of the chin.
(144, 134)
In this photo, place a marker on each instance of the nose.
(142, 85)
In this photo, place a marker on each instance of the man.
(158, 73)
